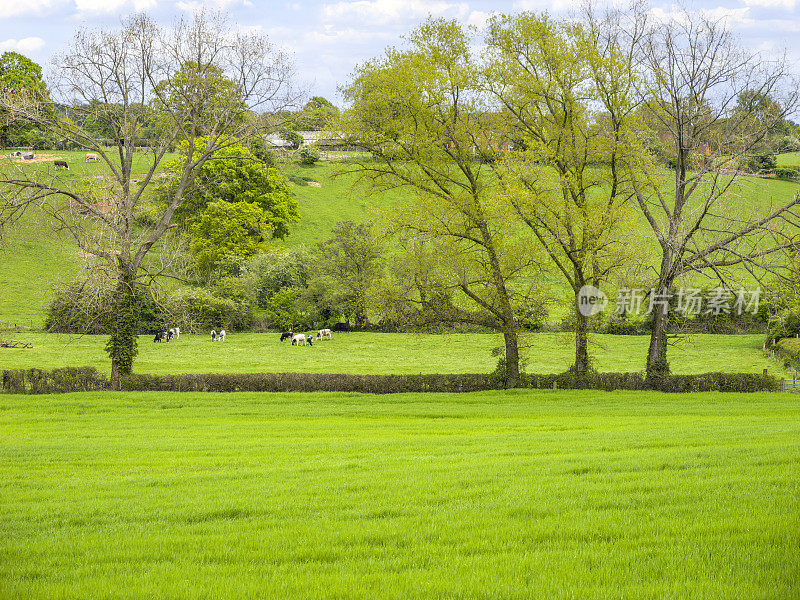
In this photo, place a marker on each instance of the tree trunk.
(122, 346)
(512, 358)
(581, 342)
(657, 365)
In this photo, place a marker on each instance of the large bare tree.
(133, 94)
(694, 73)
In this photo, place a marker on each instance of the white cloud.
(112, 6)
(551, 5)
(784, 4)
(385, 12)
(195, 5)
(24, 46)
(477, 18)
(16, 8)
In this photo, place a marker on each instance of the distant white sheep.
(222, 336)
(299, 340)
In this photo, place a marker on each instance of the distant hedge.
(38, 381)
(77, 379)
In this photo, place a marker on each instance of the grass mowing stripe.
(500, 494)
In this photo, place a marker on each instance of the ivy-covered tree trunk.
(122, 347)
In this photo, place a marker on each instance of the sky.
(330, 37)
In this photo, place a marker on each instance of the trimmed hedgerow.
(38, 381)
(74, 379)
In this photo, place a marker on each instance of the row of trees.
(205, 84)
(584, 103)
(588, 107)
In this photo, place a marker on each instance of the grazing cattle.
(286, 335)
(16, 154)
(324, 334)
(299, 340)
(221, 336)
(61, 164)
(213, 335)
(160, 335)
(29, 156)
(341, 327)
(92, 156)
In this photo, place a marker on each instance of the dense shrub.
(786, 174)
(74, 379)
(789, 349)
(204, 310)
(86, 309)
(761, 162)
(38, 381)
(308, 156)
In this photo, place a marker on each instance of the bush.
(786, 174)
(308, 156)
(85, 309)
(82, 379)
(38, 381)
(389, 384)
(761, 162)
(259, 148)
(204, 310)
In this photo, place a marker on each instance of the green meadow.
(388, 353)
(517, 494)
(33, 258)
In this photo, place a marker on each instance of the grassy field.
(33, 258)
(492, 495)
(789, 158)
(377, 353)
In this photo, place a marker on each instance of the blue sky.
(329, 37)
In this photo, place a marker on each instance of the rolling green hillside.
(33, 257)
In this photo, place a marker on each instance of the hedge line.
(789, 350)
(77, 379)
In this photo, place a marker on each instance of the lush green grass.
(33, 257)
(338, 198)
(492, 495)
(387, 353)
(789, 158)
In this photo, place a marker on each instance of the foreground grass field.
(377, 353)
(490, 495)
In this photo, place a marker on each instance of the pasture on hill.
(388, 353)
(33, 258)
(516, 494)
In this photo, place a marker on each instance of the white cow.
(299, 339)
(92, 156)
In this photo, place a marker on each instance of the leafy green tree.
(568, 185)
(20, 75)
(351, 260)
(419, 112)
(228, 229)
(317, 114)
(233, 174)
